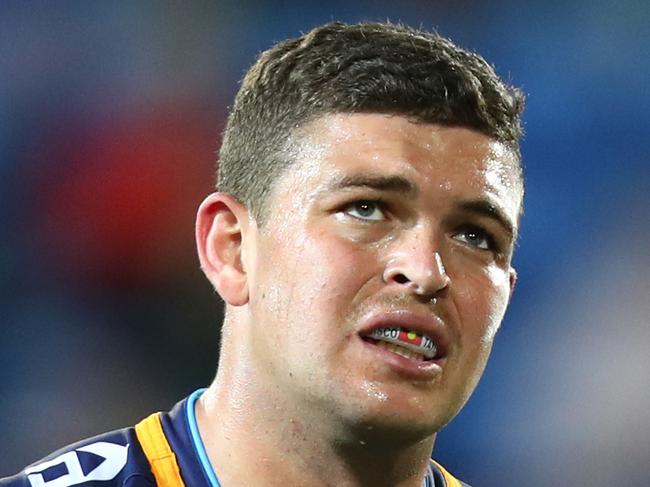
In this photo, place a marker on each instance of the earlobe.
(221, 224)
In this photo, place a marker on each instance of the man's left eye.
(476, 237)
(365, 210)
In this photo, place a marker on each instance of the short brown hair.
(360, 68)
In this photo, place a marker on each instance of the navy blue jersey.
(164, 449)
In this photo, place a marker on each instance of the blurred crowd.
(111, 114)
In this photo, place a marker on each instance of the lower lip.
(408, 368)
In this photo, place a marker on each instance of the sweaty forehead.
(378, 140)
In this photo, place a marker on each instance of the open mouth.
(405, 342)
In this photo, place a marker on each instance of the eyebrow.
(402, 185)
(490, 210)
(396, 184)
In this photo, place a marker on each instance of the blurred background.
(110, 119)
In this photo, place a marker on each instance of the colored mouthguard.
(413, 340)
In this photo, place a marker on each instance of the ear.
(513, 280)
(221, 227)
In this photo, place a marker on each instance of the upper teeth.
(410, 339)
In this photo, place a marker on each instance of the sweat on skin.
(380, 222)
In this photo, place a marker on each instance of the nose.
(418, 267)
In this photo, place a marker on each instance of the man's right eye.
(367, 210)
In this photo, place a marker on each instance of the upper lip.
(426, 323)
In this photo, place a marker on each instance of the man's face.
(383, 227)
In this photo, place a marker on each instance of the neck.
(254, 437)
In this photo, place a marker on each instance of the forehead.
(454, 161)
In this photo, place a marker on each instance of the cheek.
(482, 304)
(309, 287)
(337, 271)
(310, 278)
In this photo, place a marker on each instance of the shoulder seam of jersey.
(450, 480)
(157, 450)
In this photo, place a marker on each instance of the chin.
(396, 421)
(391, 430)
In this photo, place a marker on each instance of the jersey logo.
(97, 461)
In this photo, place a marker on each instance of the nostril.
(401, 278)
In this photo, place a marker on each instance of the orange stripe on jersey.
(449, 478)
(157, 450)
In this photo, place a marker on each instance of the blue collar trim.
(199, 447)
